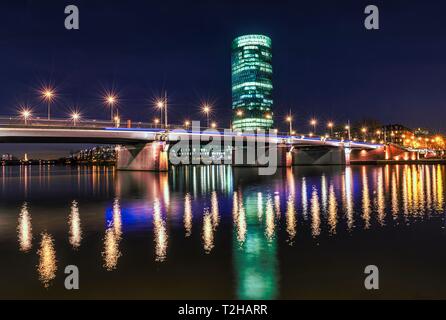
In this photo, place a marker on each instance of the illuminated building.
(395, 133)
(252, 83)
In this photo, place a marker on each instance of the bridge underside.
(318, 156)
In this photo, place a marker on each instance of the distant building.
(395, 133)
(96, 154)
(7, 157)
(421, 132)
(252, 85)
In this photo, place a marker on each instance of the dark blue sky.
(325, 63)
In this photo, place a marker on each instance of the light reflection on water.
(232, 205)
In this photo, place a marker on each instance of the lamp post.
(207, 109)
(26, 115)
(166, 123)
(111, 100)
(313, 122)
(330, 125)
(364, 132)
(347, 127)
(48, 94)
(75, 116)
(289, 119)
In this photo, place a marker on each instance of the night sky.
(326, 64)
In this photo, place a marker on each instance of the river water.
(223, 233)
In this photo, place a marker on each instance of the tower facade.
(252, 84)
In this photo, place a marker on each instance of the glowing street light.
(26, 114)
(347, 127)
(364, 132)
(111, 99)
(239, 113)
(214, 125)
(48, 94)
(313, 122)
(75, 116)
(161, 104)
(117, 121)
(330, 125)
(206, 109)
(289, 119)
(187, 123)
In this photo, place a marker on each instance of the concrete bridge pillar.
(322, 155)
(249, 157)
(143, 157)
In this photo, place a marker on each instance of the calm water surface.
(218, 232)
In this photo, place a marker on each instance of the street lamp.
(206, 109)
(162, 105)
(364, 132)
(111, 99)
(239, 113)
(26, 115)
(347, 127)
(313, 122)
(214, 125)
(187, 123)
(75, 116)
(156, 121)
(48, 94)
(289, 119)
(330, 125)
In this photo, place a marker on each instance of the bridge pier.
(143, 157)
(319, 156)
(245, 157)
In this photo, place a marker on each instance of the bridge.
(142, 146)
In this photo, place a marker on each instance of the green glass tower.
(252, 84)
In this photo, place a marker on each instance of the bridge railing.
(15, 122)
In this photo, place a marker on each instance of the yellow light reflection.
(208, 232)
(160, 233)
(112, 239)
(47, 260)
(332, 210)
(74, 222)
(291, 219)
(269, 219)
(24, 229)
(365, 199)
(315, 214)
(380, 200)
(215, 213)
(188, 217)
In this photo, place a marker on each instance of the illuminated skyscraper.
(252, 83)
